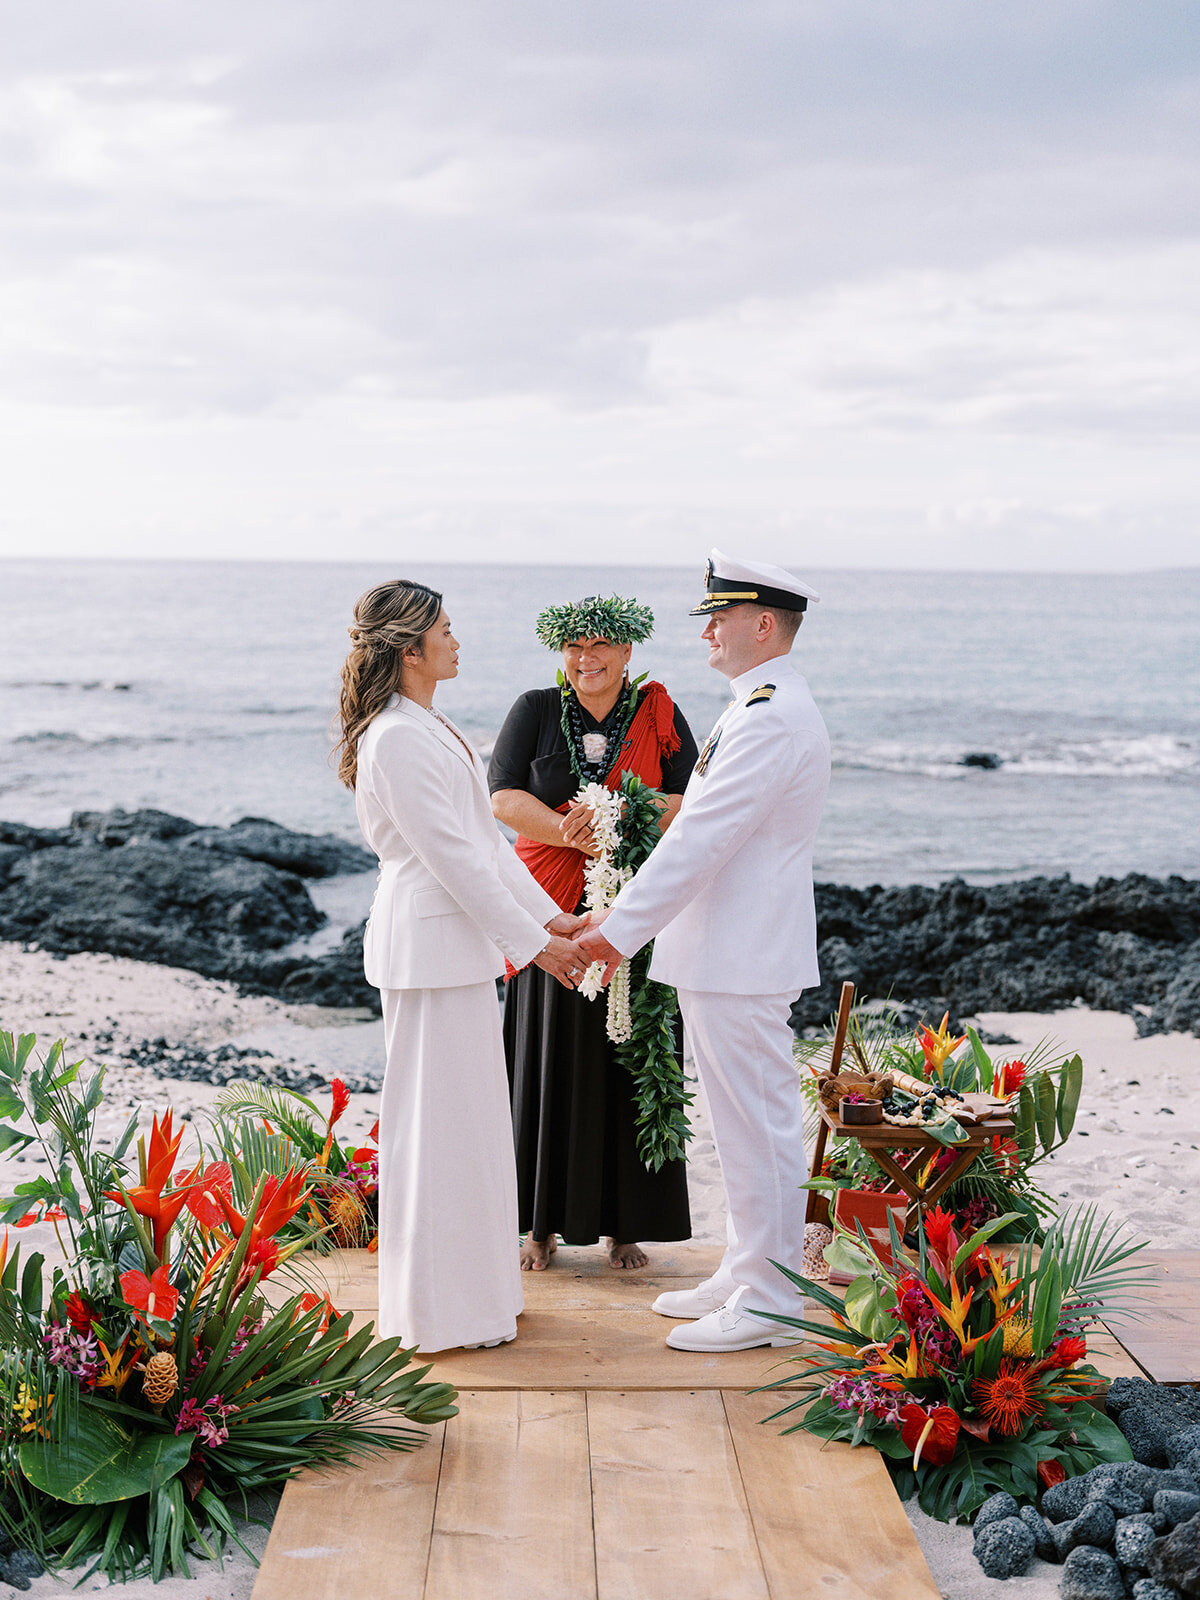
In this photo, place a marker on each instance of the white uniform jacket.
(727, 895)
(453, 898)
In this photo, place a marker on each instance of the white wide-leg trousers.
(449, 1267)
(742, 1047)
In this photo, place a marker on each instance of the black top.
(531, 753)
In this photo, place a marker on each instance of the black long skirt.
(578, 1170)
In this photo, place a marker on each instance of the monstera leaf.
(101, 1461)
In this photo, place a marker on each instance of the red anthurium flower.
(155, 1295)
(1051, 1472)
(79, 1313)
(374, 1133)
(204, 1189)
(931, 1435)
(50, 1214)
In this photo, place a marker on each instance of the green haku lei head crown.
(616, 619)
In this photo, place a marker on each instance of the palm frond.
(293, 1113)
(1094, 1255)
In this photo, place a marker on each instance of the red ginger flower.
(155, 1295)
(931, 1435)
(1008, 1078)
(341, 1099)
(1067, 1352)
(80, 1314)
(941, 1238)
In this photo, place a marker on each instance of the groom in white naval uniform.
(727, 897)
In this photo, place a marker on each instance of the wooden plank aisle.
(514, 1495)
(1165, 1342)
(582, 1490)
(862, 1552)
(669, 1508)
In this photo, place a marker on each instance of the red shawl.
(651, 736)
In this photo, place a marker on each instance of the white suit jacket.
(453, 898)
(727, 895)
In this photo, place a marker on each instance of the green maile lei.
(661, 1097)
(648, 1054)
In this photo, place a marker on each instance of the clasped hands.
(575, 943)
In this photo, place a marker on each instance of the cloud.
(592, 241)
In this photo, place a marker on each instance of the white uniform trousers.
(742, 1047)
(449, 1267)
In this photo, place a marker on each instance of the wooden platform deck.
(591, 1461)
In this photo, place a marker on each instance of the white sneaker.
(730, 1330)
(697, 1302)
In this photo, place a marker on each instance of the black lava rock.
(307, 855)
(1176, 1505)
(986, 760)
(1134, 1541)
(1091, 1574)
(21, 1568)
(1043, 1540)
(1095, 1524)
(1183, 1444)
(118, 827)
(1063, 1501)
(1177, 1559)
(1004, 1547)
(1028, 946)
(156, 887)
(995, 1509)
(1151, 1589)
(1150, 1415)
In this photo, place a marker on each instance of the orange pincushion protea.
(1010, 1398)
(348, 1220)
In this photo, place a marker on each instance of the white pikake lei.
(602, 883)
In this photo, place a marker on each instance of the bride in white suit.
(452, 902)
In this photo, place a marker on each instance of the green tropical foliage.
(152, 1379)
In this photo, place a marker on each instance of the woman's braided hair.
(388, 619)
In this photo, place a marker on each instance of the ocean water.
(209, 689)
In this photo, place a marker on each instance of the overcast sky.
(848, 283)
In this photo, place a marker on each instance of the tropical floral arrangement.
(343, 1183)
(153, 1379)
(642, 1014)
(967, 1370)
(1044, 1089)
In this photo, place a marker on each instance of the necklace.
(619, 719)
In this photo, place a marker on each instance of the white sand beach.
(1136, 1150)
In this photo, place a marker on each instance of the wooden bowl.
(860, 1113)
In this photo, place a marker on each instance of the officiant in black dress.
(579, 1173)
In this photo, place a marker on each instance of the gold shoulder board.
(763, 692)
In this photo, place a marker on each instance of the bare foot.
(536, 1253)
(626, 1255)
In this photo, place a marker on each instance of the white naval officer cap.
(728, 582)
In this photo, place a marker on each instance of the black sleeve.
(516, 744)
(677, 769)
